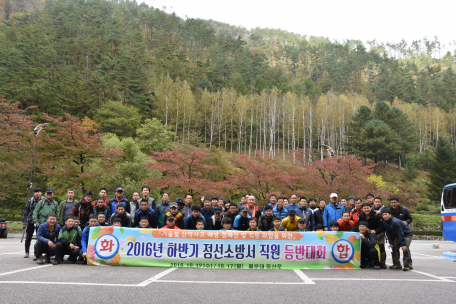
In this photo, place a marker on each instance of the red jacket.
(345, 227)
(95, 202)
(167, 227)
(354, 214)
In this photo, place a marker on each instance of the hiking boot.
(410, 266)
(72, 261)
(406, 269)
(57, 262)
(40, 260)
(395, 267)
(26, 255)
(382, 265)
(376, 267)
(48, 259)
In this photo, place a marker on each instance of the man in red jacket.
(357, 210)
(345, 223)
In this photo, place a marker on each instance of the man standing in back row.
(27, 220)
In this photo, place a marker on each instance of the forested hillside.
(127, 68)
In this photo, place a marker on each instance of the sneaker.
(40, 260)
(48, 259)
(57, 262)
(376, 267)
(26, 255)
(406, 269)
(382, 266)
(395, 267)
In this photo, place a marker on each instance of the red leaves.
(183, 172)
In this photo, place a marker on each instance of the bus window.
(447, 197)
(453, 198)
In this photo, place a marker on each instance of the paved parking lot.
(433, 280)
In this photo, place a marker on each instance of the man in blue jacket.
(207, 211)
(46, 239)
(333, 212)
(190, 221)
(93, 222)
(400, 237)
(119, 199)
(305, 213)
(145, 211)
(279, 210)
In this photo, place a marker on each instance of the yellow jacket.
(290, 226)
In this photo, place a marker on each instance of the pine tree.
(442, 169)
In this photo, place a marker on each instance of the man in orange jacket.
(345, 223)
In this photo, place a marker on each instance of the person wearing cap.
(187, 210)
(27, 220)
(190, 221)
(207, 211)
(265, 223)
(123, 215)
(241, 222)
(119, 198)
(214, 201)
(45, 207)
(232, 212)
(83, 209)
(305, 213)
(174, 211)
(293, 203)
(290, 223)
(144, 222)
(253, 225)
(145, 190)
(215, 222)
(302, 225)
(145, 211)
(279, 210)
(162, 209)
(93, 222)
(332, 213)
(276, 221)
(170, 223)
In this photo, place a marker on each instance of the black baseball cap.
(49, 190)
(292, 211)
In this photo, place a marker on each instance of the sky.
(384, 21)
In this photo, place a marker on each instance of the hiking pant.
(406, 254)
(29, 234)
(41, 248)
(381, 244)
(62, 250)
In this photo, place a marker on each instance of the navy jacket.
(395, 228)
(45, 235)
(207, 216)
(402, 213)
(150, 214)
(190, 222)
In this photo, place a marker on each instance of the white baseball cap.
(333, 195)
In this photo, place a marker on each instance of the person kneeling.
(46, 239)
(253, 224)
(301, 225)
(276, 222)
(68, 242)
(227, 224)
(170, 223)
(334, 226)
(369, 247)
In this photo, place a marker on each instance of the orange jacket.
(345, 227)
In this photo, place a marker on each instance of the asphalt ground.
(433, 280)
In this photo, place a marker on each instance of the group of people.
(63, 228)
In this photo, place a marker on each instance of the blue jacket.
(150, 214)
(207, 216)
(291, 207)
(44, 235)
(241, 223)
(308, 215)
(332, 214)
(162, 208)
(85, 238)
(269, 204)
(113, 204)
(396, 228)
(190, 224)
(282, 214)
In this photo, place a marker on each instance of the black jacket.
(125, 219)
(369, 241)
(375, 222)
(265, 222)
(402, 213)
(243, 223)
(215, 223)
(318, 216)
